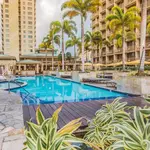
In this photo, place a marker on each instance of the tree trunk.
(63, 64)
(82, 41)
(123, 49)
(86, 55)
(143, 36)
(74, 57)
(46, 60)
(53, 56)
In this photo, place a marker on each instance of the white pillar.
(37, 68)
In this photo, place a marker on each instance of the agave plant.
(44, 135)
(101, 128)
(133, 134)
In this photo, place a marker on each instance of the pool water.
(7, 85)
(47, 89)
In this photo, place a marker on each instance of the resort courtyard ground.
(11, 112)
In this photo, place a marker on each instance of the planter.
(75, 76)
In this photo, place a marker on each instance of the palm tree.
(95, 39)
(143, 36)
(119, 21)
(80, 8)
(46, 43)
(67, 27)
(55, 39)
(73, 42)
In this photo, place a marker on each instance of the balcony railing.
(111, 2)
(130, 48)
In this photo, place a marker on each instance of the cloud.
(48, 11)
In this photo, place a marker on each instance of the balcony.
(147, 45)
(110, 3)
(103, 27)
(130, 58)
(110, 52)
(130, 3)
(103, 53)
(118, 51)
(130, 48)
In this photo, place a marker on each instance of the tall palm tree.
(46, 43)
(55, 38)
(120, 21)
(143, 36)
(95, 39)
(67, 27)
(73, 42)
(80, 8)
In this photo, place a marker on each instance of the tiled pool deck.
(11, 122)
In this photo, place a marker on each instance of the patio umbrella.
(98, 65)
(115, 64)
(137, 62)
(88, 64)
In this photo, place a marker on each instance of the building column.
(25, 67)
(37, 68)
(42, 67)
(19, 68)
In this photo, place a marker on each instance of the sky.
(48, 11)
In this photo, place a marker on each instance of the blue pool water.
(47, 89)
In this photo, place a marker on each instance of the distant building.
(113, 54)
(18, 27)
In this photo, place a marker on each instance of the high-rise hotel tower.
(108, 55)
(18, 27)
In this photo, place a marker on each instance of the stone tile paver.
(11, 122)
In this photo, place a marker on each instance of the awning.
(88, 64)
(115, 64)
(98, 65)
(29, 62)
(137, 62)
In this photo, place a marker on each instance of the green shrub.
(102, 126)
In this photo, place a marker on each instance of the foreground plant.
(44, 135)
(102, 126)
(133, 134)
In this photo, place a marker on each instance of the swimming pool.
(47, 89)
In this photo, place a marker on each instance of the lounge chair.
(105, 75)
(111, 84)
(96, 80)
(66, 76)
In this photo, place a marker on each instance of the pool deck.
(73, 110)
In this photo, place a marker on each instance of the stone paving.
(11, 122)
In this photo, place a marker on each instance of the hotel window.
(29, 27)
(29, 3)
(30, 18)
(30, 41)
(29, 36)
(6, 6)
(29, 8)
(29, 13)
(6, 1)
(7, 35)
(24, 31)
(7, 25)
(7, 16)
(7, 30)
(7, 20)
(7, 40)
(29, 22)
(6, 10)
(24, 22)
(30, 32)
(24, 36)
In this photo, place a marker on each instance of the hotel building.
(108, 55)
(18, 23)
